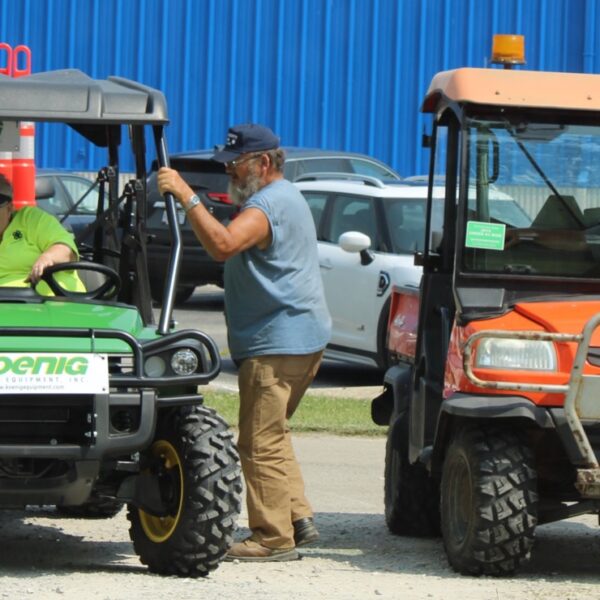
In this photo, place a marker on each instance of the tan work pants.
(271, 388)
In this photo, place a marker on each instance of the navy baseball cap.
(248, 137)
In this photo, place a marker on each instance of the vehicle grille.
(120, 364)
(52, 420)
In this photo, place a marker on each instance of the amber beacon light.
(508, 50)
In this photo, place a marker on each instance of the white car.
(368, 232)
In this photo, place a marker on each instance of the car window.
(509, 212)
(366, 167)
(77, 188)
(352, 213)
(406, 223)
(323, 165)
(336, 164)
(405, 218)
(316, 203)
(56, 205)
(203, 175)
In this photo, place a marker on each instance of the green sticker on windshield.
(487, 236)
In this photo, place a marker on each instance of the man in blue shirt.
(278, 327)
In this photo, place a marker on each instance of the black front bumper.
(93, 427)
(82, 428)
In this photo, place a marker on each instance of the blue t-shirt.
(274, 301)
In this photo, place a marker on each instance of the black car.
(209, 180)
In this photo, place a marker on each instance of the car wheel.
(196, 464)
(411, 496)
(488, 501)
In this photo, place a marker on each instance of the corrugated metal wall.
(343, 74)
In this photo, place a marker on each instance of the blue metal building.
(342, 74)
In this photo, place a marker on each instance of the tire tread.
(411, 495)
(505, 494)
(213, 499)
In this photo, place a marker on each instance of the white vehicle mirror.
(354, 241)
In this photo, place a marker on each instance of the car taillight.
(218, 197)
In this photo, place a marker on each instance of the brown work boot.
(251, 551)
(305, 531)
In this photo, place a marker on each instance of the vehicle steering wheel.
(105, 291)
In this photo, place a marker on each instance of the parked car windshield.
(549, 169)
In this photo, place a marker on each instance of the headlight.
(184, 362)
(526, 355)
(155, 366)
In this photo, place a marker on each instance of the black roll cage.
(97, 109)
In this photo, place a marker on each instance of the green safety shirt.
(30, 232)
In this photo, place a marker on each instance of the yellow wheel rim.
(160, 529)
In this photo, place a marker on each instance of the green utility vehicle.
(99, 404)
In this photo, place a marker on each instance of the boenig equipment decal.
(51, 373)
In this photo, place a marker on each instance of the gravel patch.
(45, 556)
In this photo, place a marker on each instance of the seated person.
(30, 241)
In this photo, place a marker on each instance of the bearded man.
(278, 326)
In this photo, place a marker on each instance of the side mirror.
(44, 188)
(354, 241)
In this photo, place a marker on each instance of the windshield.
(406, 218)
(548, 172)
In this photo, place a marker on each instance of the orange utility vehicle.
(493, 405)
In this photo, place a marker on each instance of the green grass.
(322, 414)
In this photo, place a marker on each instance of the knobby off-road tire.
(200, 482)
(488, 501)
(411, 496)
